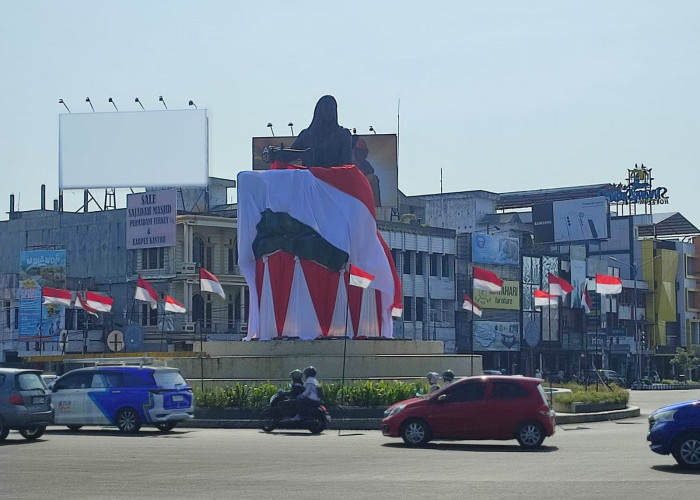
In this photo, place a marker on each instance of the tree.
(684, 361)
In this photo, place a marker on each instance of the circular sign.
(115, 341)
(133, 337)
(532, 334)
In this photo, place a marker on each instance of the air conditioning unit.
(188, 268)
(188, 327)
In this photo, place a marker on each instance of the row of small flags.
(558, 287)
(95, 302)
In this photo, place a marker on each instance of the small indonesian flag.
(98, 302)
(81, 304)
(145, 293)
(544, 299)
(56, 296)
(586, 301)
(486, 280)
(607, 285)
(470, 305)
(360, 278)
(172, 305)
(209, 283)
(559, 286)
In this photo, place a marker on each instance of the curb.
(366, 424)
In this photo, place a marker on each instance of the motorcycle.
(281, 410)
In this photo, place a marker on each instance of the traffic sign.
(115, 341)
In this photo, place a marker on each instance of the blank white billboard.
(133, 149)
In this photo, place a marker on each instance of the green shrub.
(579, 394)
(358, 393)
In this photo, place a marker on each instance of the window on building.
(695, 332)
(15, 325)
(419, 308)
(208, 318)
(153, 258)
(395, 256)
(209, 259)
(231, 261)
(407, 308)
(446, 267)
(433, 264)
(692, 300)
(149, 317)
(8, 314)
(230, 309)
(419, 263)
(407, 262)
(691, 267)
(198, 251)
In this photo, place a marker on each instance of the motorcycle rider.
(296, 389)
(433, 379)
(447, 377)
(310, 397)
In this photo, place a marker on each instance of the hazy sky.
(502, 95)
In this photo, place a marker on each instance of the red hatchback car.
(487, 407)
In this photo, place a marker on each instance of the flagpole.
(345, 340)
(471, 333)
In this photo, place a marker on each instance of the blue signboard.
(488, 249)
(40, 268)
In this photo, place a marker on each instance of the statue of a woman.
(324, 143)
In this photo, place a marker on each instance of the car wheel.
(530, 435)
(74, 428)
(686, 451)
(4, 430)
(32, 433)
(415, 432)
(166, 427)
(128, 420)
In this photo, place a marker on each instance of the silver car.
(25, 403)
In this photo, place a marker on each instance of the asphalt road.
(594, 460)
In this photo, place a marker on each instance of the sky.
(500, 96)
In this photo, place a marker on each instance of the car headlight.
(663, 416)
(394, 410)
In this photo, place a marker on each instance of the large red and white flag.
(559, 286)
(99, 302)
(172, 305)
(607, 285)
(544, 299)
(486, 280)
(81, 304)
(360, 278)
(586, 301)
(146, 293)
(209, 283)
(470, 305)
(335, 206)
(56, 296)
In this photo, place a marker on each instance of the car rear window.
(167, 378)
(29, 381)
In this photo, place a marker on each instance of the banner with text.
(507, 298)
(150, 219)
(39, 268)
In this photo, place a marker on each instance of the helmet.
(310, 371)
(295, 375)
(448, 375)
(433, 377)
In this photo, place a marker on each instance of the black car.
(25, 403)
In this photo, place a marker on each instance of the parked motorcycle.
(280, 413)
